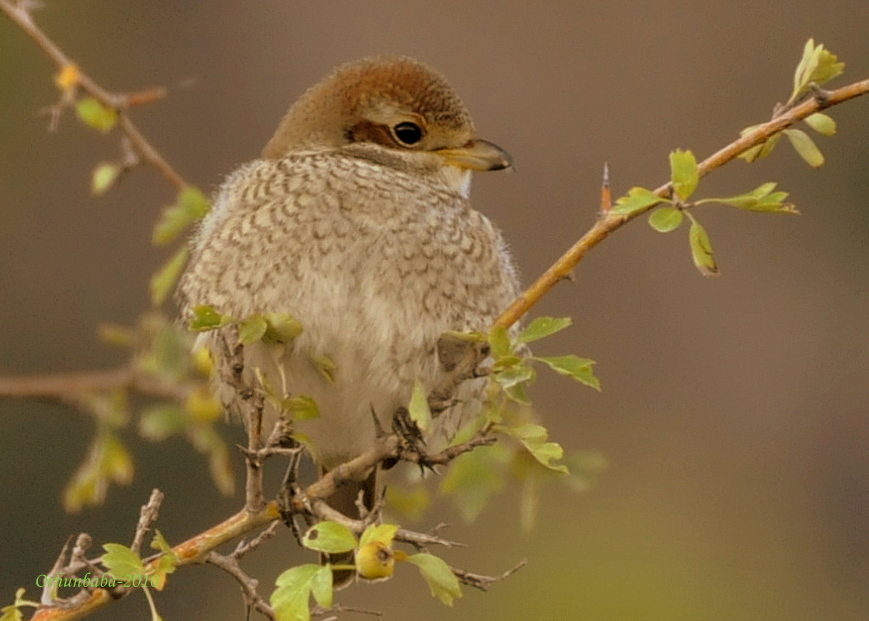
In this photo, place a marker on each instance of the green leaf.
(701, 249)
(817, 65)
(542, 327)
(384, 533)
(281, 328)
(474, 477)
(500, 342)
(443, 583)
(190, 205)
(166, 564)
(762, 199)
(96, 115)
(513, 375)
(761, 150)
(164, 280)
(684, 174)
(326, 366)
(665, 219)
(206, 318)
(418, 409)
(534, 438)
(321, 587)
(301, 407)
(104, 176)
(572, 366)
(805, 147)
(329, 537)
(636, 200)
(252, 329)
(821, 123)
(158, 422)
(290, 599)
(411, 502)
(122, 561)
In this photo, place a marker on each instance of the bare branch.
(67, 387)
(248, 584)
(484, 583)
(147, 517)
(20, 14)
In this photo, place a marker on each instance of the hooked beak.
(477, 155)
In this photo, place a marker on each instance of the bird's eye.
(407, 133)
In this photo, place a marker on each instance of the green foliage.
(684, 174)
(805, 147)
(252, 329)
(474, 477)
(574, 367)
(666, 219)
(329, 537)
(383, 533)
(104, 177)
(821, 123)
(418, 409)
(535, 439)
(762, 199)
(163, 281)
(301, 407)
(701, 249)
(94, 114)
(637, 199)
(13, 611)
(295, 588)
(121, 561)
(440, 579)
(206, 318)
(816, 66)
(541, 327)
(107, 459)
(190, 206)
(166, 563)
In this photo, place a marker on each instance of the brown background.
(734, 411)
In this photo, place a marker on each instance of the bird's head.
(392, 110)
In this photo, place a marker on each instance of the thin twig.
(607, 223)
(67, 387)
(20, 14)
(147, 516)
(484, 583)
(248, 584)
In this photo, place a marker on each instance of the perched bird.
(356, 221)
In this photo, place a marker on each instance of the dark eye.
(407, 133)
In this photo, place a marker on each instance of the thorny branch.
(311, 500)
(607, 223)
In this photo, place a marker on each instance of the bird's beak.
(477, 155)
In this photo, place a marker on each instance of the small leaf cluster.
(817, 66)
(669, 213)
(160, 352)
(375, 559)
(529, 457)
(122, 563)
(12, 612)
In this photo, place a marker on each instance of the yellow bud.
(375, 560)
(67, 78)
(202, 361)
(202, 406)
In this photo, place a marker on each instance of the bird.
(356, 221)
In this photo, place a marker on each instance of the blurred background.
(734, 410)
